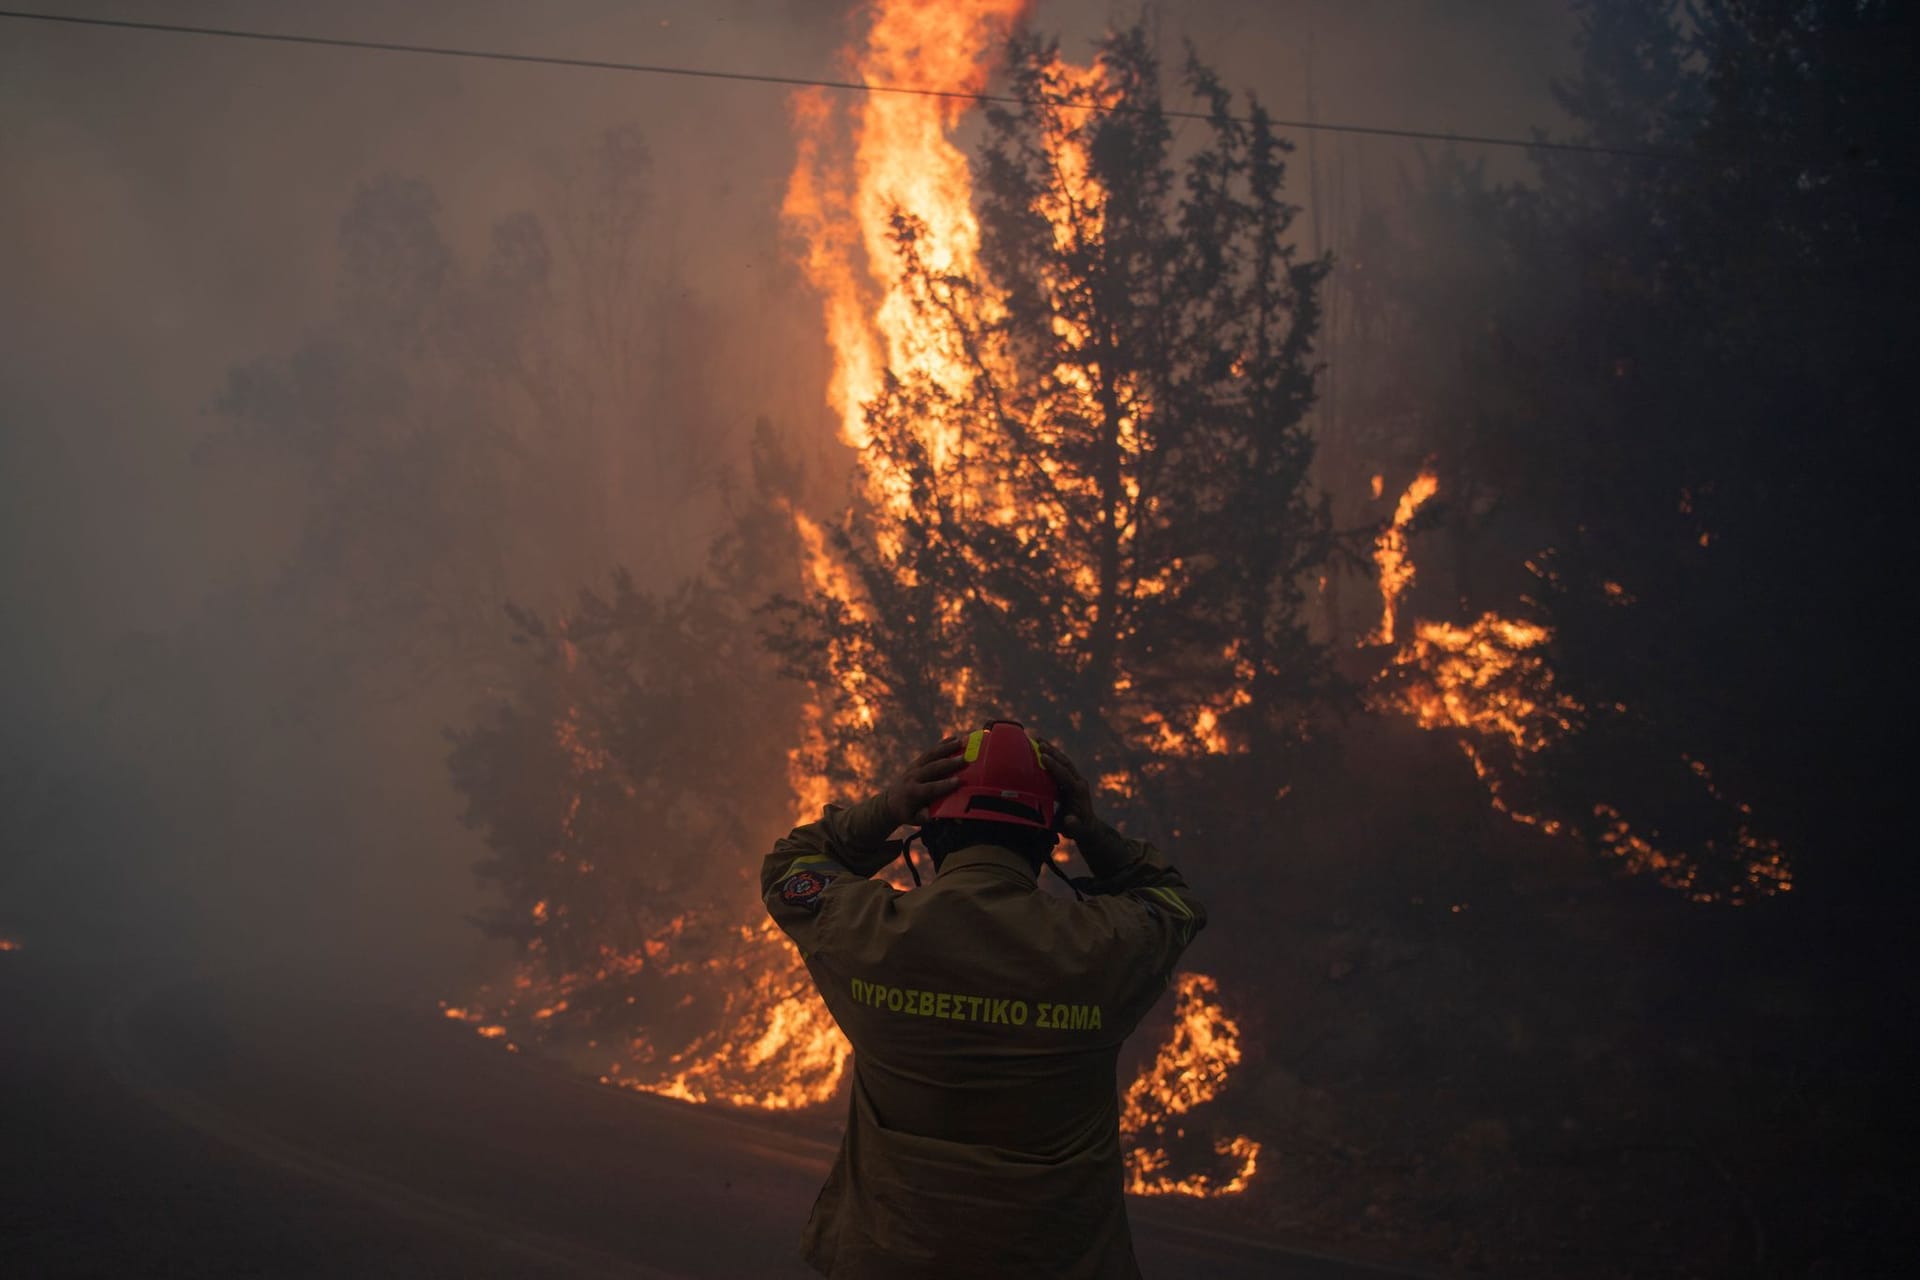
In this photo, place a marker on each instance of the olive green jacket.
(986, 1018)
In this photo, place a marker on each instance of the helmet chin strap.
(903, 848)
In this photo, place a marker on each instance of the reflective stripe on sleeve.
(1175, 904)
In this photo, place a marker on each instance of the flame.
(886, 186)
(1491, 679)
(879, 184)
(873, 181)
(775, 1047)
(1190, 1069)
(765, 1040)
(856, 176)
(1390, 551)
(1490, 685)
(902, 159)
(762, 1038)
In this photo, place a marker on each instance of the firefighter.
(986, 1016)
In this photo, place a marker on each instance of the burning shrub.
(623, 790)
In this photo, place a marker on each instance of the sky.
(170, 212)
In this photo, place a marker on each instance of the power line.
(705, 73)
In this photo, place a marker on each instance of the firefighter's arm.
(1120, 865)
(1147, 917)
(846, 846)
(1135, 869)
(849, 844)
(847, 840)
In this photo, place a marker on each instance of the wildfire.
(869, 193)
(1190, 1069)
(1489, 684)
(902, 159)
(773, 1047)
(878, 180)
(763, 1040)
(1390, 550)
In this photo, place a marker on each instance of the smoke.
(201, 755)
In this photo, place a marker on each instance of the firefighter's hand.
(1075, 815)
(908, 797)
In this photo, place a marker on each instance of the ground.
(249, 1123)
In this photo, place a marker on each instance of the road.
(230, 1125)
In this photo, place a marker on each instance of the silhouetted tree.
(638, 759)
(1681, 381)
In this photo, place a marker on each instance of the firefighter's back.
(1019, 1046)
(983, 1137)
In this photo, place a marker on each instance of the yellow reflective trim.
(1172, 900)
(1037, 757)
(974, 742)
(1182, 911)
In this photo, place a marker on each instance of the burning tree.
(1077, 394)
(1620, 447)
(1084, 454)
(1080, 497)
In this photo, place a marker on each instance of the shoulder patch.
(803, 888)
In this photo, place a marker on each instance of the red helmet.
(1004, 780)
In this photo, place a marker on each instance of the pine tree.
(1100, 515)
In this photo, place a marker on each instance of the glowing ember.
(1763, 861)
(11, 944)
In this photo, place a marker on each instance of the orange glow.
(11, 944)
(775, 1046)
(1189, 1071)
(767, 1041)
(1491, 686)
(891, 164)
(900, 158)
(1390, 551)
(1490, 678)
(875, 178)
